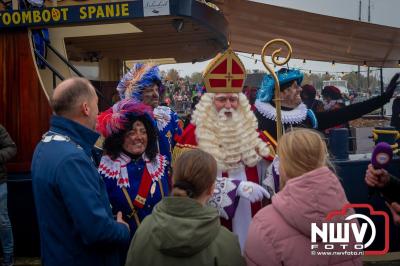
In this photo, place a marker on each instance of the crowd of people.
(182, 96)
(223, 190)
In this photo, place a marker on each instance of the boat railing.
(49, 66)
(55, 72)
(62, 58)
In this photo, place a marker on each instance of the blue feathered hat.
(266, 91)
(117, 117)
(140, 76)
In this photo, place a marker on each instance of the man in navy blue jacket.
(75, 220)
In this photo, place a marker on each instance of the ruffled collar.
(116, 169)
(162, 114)
(294, 116)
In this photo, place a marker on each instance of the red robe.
(188, 140)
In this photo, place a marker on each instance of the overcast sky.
(385, 12)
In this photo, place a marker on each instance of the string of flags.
(311, 71)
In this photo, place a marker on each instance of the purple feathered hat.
(117, 117)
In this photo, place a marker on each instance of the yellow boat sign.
(71, 14)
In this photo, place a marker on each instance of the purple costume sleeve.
(224, 198)
(275, 174)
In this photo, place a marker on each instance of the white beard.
(223, 117)
(233, 141)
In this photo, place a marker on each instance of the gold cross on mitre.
(229, 76)
(225, 73)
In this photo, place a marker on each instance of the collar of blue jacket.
(80, 134)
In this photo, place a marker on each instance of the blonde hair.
(195, 172)
(301, 151)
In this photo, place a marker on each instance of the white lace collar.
(116, 169)
(162, 114)
(295, 116)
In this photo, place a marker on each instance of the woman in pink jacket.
(280, 234)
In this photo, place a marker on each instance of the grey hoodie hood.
(183, 227)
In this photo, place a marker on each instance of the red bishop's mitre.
(225, 73)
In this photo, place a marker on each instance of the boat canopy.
(312, 36)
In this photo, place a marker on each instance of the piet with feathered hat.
(296, 114)
(135, 173)
(142, 84)
(293, 113)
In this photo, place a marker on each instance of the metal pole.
(369, 10)
(54, 81)
(358, 67)
(381, 70)
(48, 65)
(358, 79)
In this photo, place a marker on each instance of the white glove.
(252, 191)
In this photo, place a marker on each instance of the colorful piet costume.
(131, 86)
(240, 153)
(134, 184)
(301, 116)
(265, 110)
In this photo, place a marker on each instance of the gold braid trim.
(270, 138)
(134, 211)
(375, 133)
(272, 151)
(181, 149)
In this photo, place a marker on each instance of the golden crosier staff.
(276, 61)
